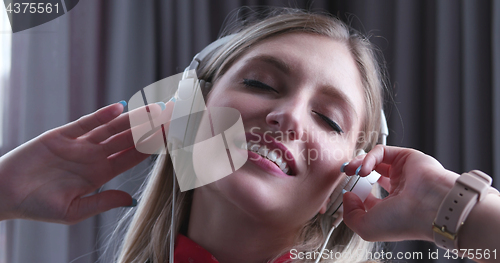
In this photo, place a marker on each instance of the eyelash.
(331, 123)
(257, 84)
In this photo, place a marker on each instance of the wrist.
(438, 189)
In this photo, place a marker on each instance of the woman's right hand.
(417, 185)
(49, 177)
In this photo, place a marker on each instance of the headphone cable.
(172, 224)
(334, 226)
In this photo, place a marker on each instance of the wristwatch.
(469, 189)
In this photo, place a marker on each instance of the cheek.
(225, 95)
(324, 160)
(221, 95)
(327, 151)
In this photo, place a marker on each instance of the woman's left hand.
(417, 184)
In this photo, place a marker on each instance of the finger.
(385, 183)
(352, 166)
(383, 169)
(118, 143)
(354, 212)
(122, 123)
(364, 223)
(386, 154)
(91, 121)
(125, 140)
(378, 155)
(371, 201)
(125, 160)
(376, 224)
(83, 208)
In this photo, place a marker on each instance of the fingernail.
(162, 105)
(343, 167)
(124, 103)
(359, 169)
(134, 203)
(344, 191)
(172, 99)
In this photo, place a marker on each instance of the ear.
(324, 206)
(206, 87)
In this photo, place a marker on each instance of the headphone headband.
(203, 53)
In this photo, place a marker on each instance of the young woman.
(311, 85)
(303, 83)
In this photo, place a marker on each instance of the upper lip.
(271, 143)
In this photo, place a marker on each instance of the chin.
(256, 195)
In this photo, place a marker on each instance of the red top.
(187, 251)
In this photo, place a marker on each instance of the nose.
(287, 118)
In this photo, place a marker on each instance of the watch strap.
(469, 189)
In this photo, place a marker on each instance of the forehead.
(310, 60)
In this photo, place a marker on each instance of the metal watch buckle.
(443, 231)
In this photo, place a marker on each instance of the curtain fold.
(443, 59)
(495, 98)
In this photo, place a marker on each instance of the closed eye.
(331, 123)
(257, 84)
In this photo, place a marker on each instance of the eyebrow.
(278, 63)
(333, 92)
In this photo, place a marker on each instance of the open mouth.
(273, 155)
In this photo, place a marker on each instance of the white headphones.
(188, 100)
(189, 97)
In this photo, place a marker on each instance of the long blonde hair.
(148, 234)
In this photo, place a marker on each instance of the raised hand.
(417, 184)
(49, 177)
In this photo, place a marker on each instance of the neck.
(232, 235)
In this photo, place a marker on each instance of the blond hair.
(148, 235)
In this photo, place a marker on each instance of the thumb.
(83, 208)
(354, 212)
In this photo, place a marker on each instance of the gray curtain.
(443, 59)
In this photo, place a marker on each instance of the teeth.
(270, 155)
(254, 148)
(282, 165)
(263, 151)
(279, 161)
